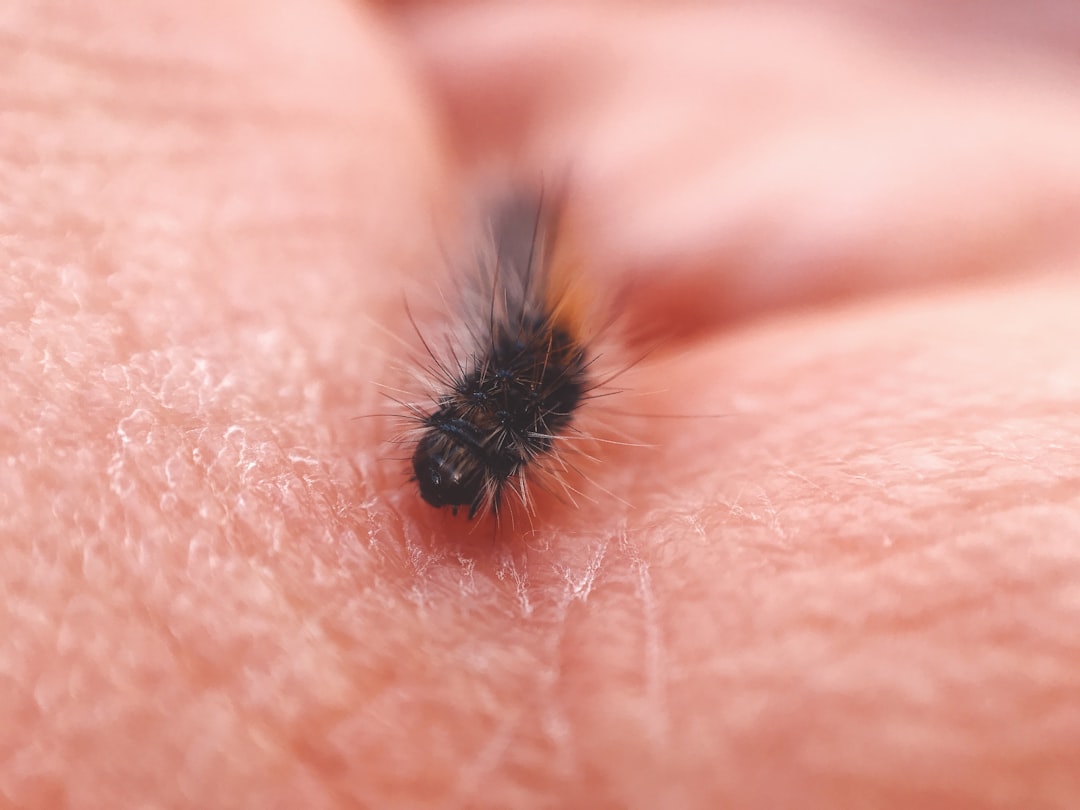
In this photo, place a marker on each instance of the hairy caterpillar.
(518, 369)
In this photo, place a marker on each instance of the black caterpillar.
(518, 383)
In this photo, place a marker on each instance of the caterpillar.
(518, 369)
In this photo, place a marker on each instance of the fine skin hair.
(853, 224)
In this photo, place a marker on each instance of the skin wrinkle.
(886, 608)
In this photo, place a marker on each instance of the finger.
(199, 205)
(730, 160)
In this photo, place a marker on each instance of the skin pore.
(852, 235)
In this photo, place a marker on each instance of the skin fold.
(836, 565)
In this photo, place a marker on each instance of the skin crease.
(853, 238)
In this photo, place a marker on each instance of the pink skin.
(857, 589)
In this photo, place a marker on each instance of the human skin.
(848, 578)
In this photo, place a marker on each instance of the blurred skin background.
(849, 226)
